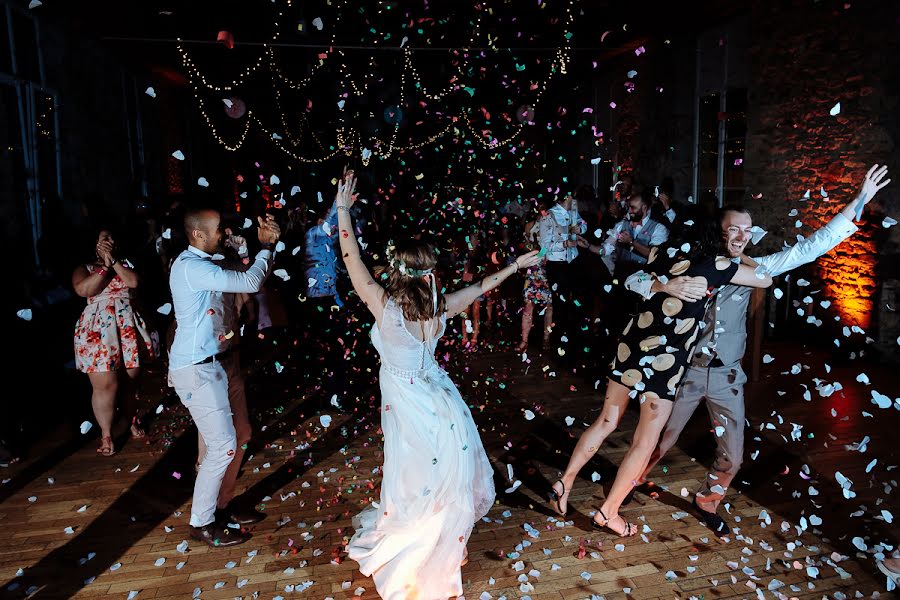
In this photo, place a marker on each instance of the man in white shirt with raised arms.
(201, 363)
(715, 372)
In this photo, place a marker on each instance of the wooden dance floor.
(80, 525)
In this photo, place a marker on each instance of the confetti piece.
(34, 4)
(317, 23)
(178, 154)
(165, 309)
(150, 92)
(835, 110)
(202, 182)
(325, 420)
(86, 426)
(528, 415)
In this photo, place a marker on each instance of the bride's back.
(400, 343)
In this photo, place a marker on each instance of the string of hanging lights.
(350, 143)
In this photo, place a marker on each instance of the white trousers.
(203, 389)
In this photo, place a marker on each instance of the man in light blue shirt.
(204, 370)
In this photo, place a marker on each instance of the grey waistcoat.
(725, 328)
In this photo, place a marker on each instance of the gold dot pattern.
(652, 358)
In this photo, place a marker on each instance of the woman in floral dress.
(110, 335)
(537, 288)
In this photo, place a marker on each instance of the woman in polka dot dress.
(651, 360)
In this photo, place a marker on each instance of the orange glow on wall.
(847, 273)
(850, 282)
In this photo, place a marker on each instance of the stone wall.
(805, 57)
(649, 131)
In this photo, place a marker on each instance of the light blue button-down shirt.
(201, 296)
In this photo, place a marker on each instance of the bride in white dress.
(437, 480)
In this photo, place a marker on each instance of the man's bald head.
(203, 229)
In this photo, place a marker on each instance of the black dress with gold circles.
(657, 345)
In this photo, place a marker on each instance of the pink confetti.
(176, 474)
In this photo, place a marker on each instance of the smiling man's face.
(736, 232)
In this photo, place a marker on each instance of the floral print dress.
(110, 334)
(537, 287)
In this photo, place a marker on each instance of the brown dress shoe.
(218, 535)
(246, 516)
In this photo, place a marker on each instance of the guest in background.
(111, 336)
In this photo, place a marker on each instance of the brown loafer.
(240, 516)
(217, 535)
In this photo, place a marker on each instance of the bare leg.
(593, 437)
(476, 320)
(654, 414)
(527, 320)
(103, 401)
(490, 310)
(548, 323)
(131, 400)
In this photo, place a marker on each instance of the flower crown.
(399, 265)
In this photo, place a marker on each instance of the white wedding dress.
(437, 480)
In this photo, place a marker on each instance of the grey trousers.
(723, 390)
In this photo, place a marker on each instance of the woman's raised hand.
(528, 260)
(346, 189)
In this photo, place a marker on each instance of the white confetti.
(150, 92)
(528, 415)
(24, 314)
(160, 562)
(178, 154)
(317, 23)
(86, 426)
(202, 182)
(325, 420)
(570, 421)
(835, 110)
(165, 309)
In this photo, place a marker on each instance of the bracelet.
(516, 263)
(344, 208)
(115, 260)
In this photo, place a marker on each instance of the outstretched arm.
(459, 300)
(369, 291)
(833, 233)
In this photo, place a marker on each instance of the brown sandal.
(106, 447)
(137, 432)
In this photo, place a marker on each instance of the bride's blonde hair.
(411, 266)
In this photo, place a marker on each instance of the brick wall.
(805, 57)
